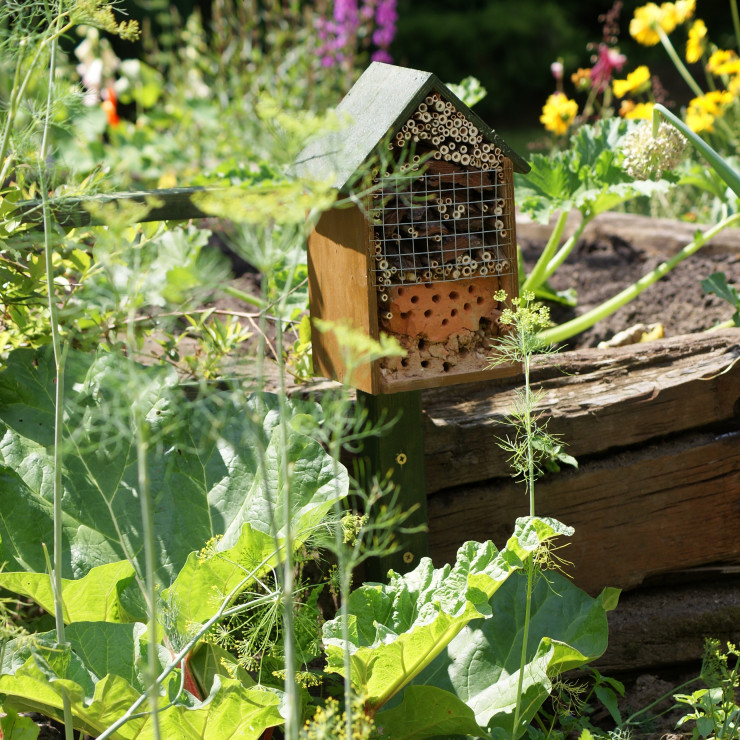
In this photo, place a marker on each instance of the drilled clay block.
(434, 311)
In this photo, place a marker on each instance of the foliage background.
(507, 44)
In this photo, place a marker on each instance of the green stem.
(292, 720)
(141, 438)
(59, 361)
(529, 434)
(735, 21)
(678, 63)
(19, 91)
(242, 296)
(587, 320)
(537, 276)
(567, 248)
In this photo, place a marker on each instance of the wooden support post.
(399, 450)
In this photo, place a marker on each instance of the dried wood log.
(665, 625)
(630, 395)
(635, 514)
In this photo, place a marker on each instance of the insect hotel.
(421, 256)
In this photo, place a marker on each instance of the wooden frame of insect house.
(421, 256)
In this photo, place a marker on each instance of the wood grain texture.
(641, 512)
(597, 400)
(339, 290)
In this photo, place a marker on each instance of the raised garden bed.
(655, 502)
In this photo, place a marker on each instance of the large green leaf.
(587, 176)
(480, 667)
(14, 727)
(213, 465)
(101, 672)
(398, 629)
(95, 597)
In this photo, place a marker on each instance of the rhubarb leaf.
(213, 466)
(480, 667)
(101, 671)
(398, 629)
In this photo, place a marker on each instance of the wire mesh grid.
(448, 223)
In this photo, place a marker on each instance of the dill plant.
(530, 444)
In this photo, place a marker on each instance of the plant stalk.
(538, 275)
(59, 362)
(735, 21)
(529, 435)
(678, 63)
(587, 320)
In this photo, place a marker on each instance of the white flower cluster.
(646, 157)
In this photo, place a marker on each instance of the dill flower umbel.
(558, 113)
(697, 41)
(637, 81)
(646, 157)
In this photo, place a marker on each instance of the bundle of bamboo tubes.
(445, 218)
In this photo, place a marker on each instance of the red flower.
(609, 60)
(110, 106)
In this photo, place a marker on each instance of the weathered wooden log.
(637, 513)
(597, 400)
(665, 624)
(656, 429)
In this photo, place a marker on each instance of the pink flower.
(609, 61)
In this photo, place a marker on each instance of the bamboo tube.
(485, 147)
(455, 273)
(466, 271)
(486, 256)
(465, 159)
(383, 297)
(456, 156)
(483, 271)
(439, 106)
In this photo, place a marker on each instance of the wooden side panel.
(340, 290)
(510, 282)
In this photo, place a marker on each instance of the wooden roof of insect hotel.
(378, 104)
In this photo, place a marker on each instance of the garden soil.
(618, 249)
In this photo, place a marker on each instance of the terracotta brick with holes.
(435, 311)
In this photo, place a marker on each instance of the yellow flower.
(637, 81)
(702, 111)
(558, 113)
(724, 63)
(640, 111)
(697, 41)
(648, 18)
(684, 9)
